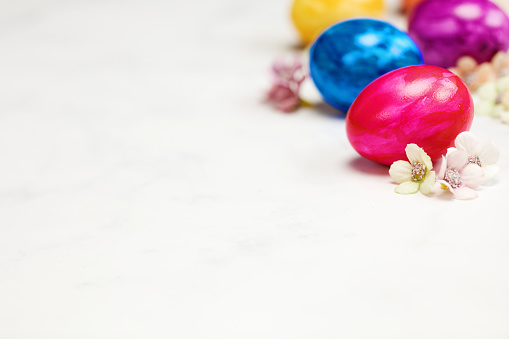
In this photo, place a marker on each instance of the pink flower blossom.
(288, 78)
(485, 154)
(460, 176)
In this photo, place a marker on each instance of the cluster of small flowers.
(287, 80)
(489, 84)
(464, 168)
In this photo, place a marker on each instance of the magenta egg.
(448, 30)
(425, 105)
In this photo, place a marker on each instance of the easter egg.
(409, 5)
(351, 54)
(425, 105)
(312, 17)
(448, 30)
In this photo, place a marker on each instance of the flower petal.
(443, 167)
(504, 116)
(417, 154)
(472, 176)
(279, 92)
(489, 172)
(464, 193)
(456, 159)
(427, 160)
(488, 153)
(467, 142)
(428, 183)
(401, 171)
(288, 105)
(445, 185)
(408, 187)
(437, 188)
(414, 153)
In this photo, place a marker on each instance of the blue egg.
(352, 53)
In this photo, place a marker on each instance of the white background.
(146, 191)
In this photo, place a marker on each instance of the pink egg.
(425, 105)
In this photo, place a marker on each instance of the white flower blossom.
(415, 174)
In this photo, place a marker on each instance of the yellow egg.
(312, 17)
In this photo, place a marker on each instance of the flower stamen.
(474, 159)
(418, 171)
(453, 178)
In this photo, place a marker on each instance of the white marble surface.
(147, 192)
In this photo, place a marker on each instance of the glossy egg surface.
(425, 105)
(409, 5)
(352, 53)
(448, 30)
(312, 17)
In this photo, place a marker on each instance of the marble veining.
(147, 192)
